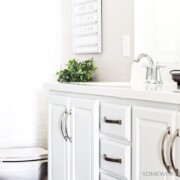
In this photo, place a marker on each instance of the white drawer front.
(116, 152)
(116, 120)
(106, 177)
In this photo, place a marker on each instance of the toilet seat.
(22, 154)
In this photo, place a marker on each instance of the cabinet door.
(58, 147)
(149, 127)
(84, 132)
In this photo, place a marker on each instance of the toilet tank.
(23, 164)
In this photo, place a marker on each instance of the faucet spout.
(151, 63)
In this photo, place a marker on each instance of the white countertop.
(155, 93)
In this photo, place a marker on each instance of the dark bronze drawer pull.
(112, 160)
(112, 121)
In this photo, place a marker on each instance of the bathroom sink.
(107, 84)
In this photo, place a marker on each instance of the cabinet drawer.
(106, 177)
(116, 158)
(116, 120)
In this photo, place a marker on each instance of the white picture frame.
(87, 22)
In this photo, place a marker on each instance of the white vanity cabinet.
(153, 129)
(73, 139)
(113, 134)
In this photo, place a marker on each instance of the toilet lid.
(23, 154)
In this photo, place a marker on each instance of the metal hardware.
(112, 160)
(149, 69)
(63, 117)
(168, 132)
(153, 74)
(68, 137)
(157, 76)
(151, 63)
(112, 121)
(177, 171)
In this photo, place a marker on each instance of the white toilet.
(23, 164)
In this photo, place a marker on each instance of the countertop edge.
(125, 93)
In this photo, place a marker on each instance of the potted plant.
(77, 71)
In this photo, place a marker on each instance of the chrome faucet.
(153, 74)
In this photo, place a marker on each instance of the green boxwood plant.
(77, 71)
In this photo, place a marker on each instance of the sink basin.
(107, 84)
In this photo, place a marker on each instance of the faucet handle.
(158, 65)
(158, 77)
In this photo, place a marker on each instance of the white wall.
(117, 21)
(30, 52)
(157, 33)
